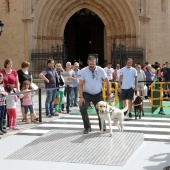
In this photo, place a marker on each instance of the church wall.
(148, 27)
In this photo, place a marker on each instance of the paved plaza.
(153, 153)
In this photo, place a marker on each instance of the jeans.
(69, 93)
(49, 106)
(74, 95)
(2, 111)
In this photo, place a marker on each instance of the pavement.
(151, 155)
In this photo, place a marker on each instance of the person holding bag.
(60, 91)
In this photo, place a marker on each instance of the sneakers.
(15, 128)
(49, 116)
(56, 114)
(86, 131)
(130, 115)
(127, 116)
(3, 131)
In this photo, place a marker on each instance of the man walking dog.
(90, 88)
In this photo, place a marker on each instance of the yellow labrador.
(107, 112)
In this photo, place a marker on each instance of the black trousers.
(83, 109)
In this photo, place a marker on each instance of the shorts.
(140, 86)
(29, 107)
(127, 94)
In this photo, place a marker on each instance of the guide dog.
(107, 112)
(138, 107)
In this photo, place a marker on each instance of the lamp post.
(1, 25)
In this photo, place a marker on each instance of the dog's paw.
(111, 134)
(102, 131)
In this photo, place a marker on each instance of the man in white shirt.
(109, 71)
(128, 83)
(117, 72)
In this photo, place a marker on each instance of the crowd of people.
(84, 83)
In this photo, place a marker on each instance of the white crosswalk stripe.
(154, 128)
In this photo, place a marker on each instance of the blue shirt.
(92, 80)
(149, 75)
(49, 73)
(128, 77)
(76, 81)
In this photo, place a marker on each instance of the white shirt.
(128, 77)
(109, 72)
(11, 101)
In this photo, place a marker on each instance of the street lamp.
(1, 25)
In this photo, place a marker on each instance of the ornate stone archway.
(119, 17)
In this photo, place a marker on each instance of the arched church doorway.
(83, 35)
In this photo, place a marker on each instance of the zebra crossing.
(153, 128)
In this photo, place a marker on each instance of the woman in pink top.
(10, 76)
(27, 100)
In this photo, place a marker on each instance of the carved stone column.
(28, 20)
(109, 47)
(27, 8)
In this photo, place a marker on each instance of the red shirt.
(9, 78)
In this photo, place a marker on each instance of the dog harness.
(137, 104)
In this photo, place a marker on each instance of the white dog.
(107, 112)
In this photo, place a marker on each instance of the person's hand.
(135, 89)
(47, 81)
(81, 101)
(109, 97)
(119, 89)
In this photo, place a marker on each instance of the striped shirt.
(2, 97)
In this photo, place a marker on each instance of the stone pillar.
(109, 47)
(27, 8)
(27, 19)
(144, 7)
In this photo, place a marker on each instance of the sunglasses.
(93, 75)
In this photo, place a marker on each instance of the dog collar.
(137, 104)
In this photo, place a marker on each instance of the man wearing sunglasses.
(90, 88)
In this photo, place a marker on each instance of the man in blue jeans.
(48, 75)
(74, 90)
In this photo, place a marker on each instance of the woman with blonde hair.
(60, 91)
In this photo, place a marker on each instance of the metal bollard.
(40, 107)
(120, 101)
(67, 107)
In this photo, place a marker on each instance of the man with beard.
(90, 89)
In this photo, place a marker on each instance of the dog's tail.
(125, 109)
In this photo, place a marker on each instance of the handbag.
(34, 86)
(61, 81)
(64, 100)
(56, 100)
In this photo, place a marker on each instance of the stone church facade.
(40, 24)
